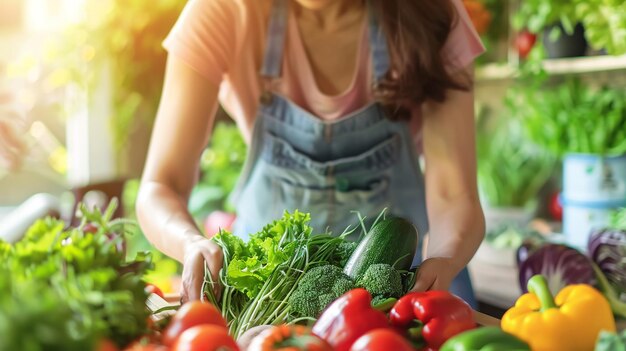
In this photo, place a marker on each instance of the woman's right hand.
(199, 252)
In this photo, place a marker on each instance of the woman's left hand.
(435, 273)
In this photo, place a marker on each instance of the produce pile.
(284, 273)
(288, 289)
(68, 288)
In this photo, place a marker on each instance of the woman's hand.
(435, 273)
(198, 253)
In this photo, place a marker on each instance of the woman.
(334, 98)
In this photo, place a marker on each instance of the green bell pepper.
(485, 339)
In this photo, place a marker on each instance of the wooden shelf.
(574, 65)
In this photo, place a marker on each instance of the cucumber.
(392, 241)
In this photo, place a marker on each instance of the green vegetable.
(392, 241)
(382, 303)
(611, 341)
(61, 289)
(319, 287)
(344, 251)
(381, 280)
(268, 270)
(485, 339)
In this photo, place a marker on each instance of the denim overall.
(362, 162)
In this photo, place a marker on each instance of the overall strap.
(275, 41)
(378, 45)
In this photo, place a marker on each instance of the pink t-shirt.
(224, 41)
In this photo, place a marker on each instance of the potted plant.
(511, 172)
(586, 128)
(562, 32)
(605, 24)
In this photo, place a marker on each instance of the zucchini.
(392, 241)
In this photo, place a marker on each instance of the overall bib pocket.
(334, 206)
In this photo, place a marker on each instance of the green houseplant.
(573, 118)
(586, 128)
(563, 34)
(605, 24)
(511, 172)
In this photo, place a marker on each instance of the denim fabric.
(361, 163)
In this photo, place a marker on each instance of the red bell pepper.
(348, 318)
(441, 314)
(382, 340)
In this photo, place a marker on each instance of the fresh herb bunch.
(63, 289)
(573, 118)
(258, 277)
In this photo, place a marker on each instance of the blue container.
(593, 187)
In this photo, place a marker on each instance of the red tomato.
(555, 208)
(190, 315)
(381, 340)
(139, 346)
(153, 289)
(206, 338)
(524, 42)
(106, 345)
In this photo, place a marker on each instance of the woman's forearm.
(164, 217)
(457, 227)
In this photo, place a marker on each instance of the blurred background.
(84, 79)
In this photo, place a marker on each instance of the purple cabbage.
(560, 264)
(607, 248)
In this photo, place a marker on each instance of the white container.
(593, 187)
(14, 225)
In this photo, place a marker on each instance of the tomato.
(524, 42)
(106, 345)
(276, 338)
(206, 338)
(140, 346)
(190, 315)
(381, 340)
(153, 289)
(555, 208)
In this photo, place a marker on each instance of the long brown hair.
(416, 31)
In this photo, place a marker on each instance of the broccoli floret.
(381, 280)
(318, 288)
(344, 251)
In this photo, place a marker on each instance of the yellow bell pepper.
(571, 322)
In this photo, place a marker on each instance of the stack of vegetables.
(417, 321)
(69, 288)
(284, 273)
